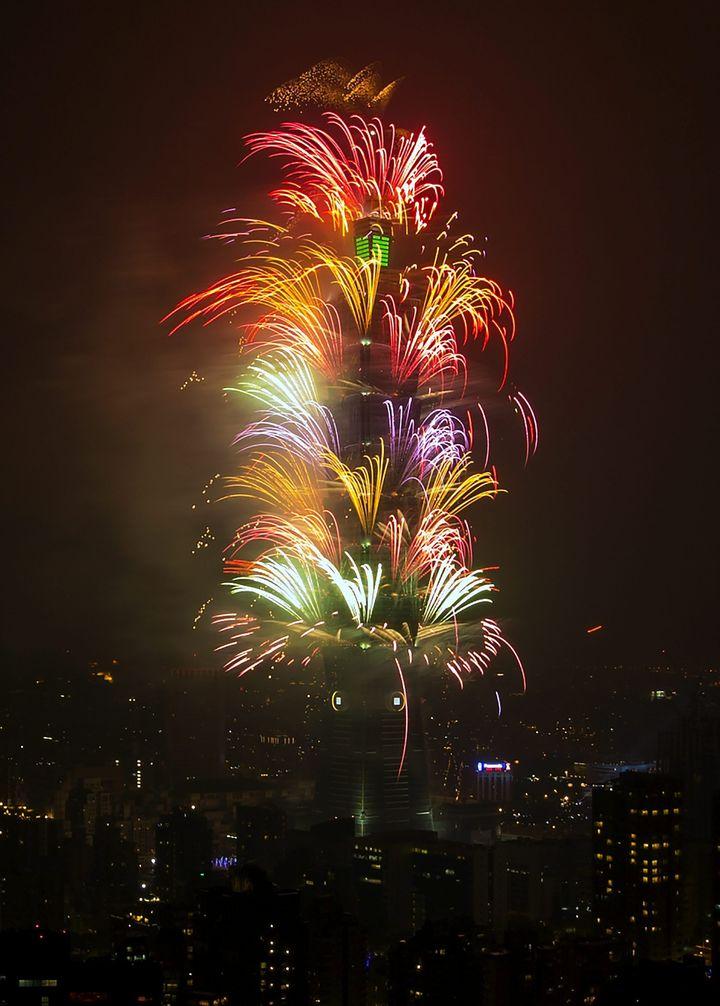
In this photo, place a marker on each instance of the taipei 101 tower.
(370, 722)
(367, 461)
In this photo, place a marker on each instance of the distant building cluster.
(193, 848)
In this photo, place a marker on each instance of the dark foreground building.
(637, 849)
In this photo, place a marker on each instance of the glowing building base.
(367, 728)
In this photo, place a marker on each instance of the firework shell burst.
(361, 457)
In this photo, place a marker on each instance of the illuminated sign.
(493, 766)
(381, 246)
(373, 244)
(362, 247)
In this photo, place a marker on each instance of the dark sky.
(580, 137)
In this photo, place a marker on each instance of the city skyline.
(357, 652)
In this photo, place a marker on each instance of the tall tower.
(369, 724)
(376, 770)
(690, 752)
(360, 456)
(372, 726)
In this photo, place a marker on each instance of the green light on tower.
(373, 244)
(362, 247)
(381, 247)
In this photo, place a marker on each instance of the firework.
(330, 84)
(360, 454)
(352, 169)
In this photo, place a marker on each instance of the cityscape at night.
(360, 630)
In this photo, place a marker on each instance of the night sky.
(581, 138)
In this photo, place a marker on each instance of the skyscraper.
(365, 723)
(494, 781)
(362, 451)
(372, 721)
(637, 856)
(183, 853)
(691, 753)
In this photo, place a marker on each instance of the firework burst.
(360, 455)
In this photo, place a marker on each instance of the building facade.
(637, 859)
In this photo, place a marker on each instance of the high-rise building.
(337, 955)
(87, 794)
(403, 881)
(371, 726)
(260, 832)
(183, 850)
(494, 781)
(691, 753)
(283, 953)
(448, 880)
(114, 883)
(374, 744)
(637, 859)
(32, 884)
(441, 964)
(541, 884)
(362, 447)
(468, 820)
